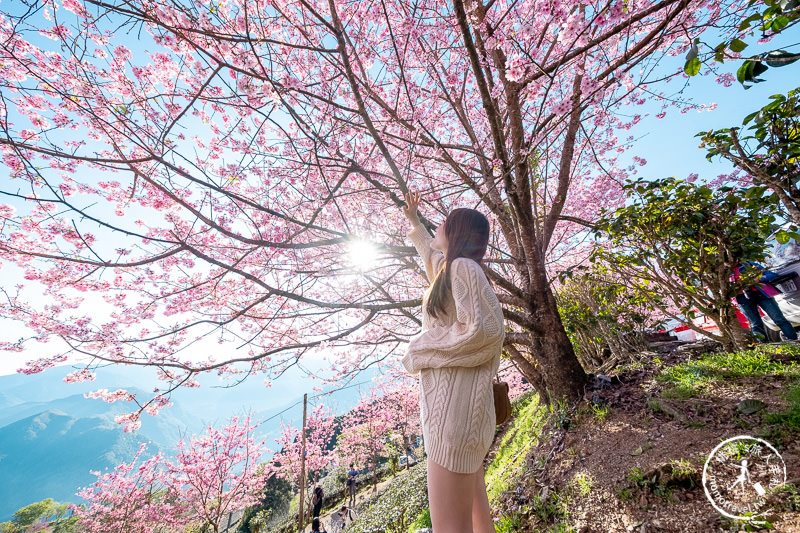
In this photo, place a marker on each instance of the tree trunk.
(564, 377)
(734, 336)
(375, 472)
(406, 450)
(548, 362)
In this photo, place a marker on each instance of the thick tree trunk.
(550, 363)
(564, 377)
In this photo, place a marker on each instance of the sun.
(362, 255)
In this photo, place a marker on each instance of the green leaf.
(750, 117)
(749, 20)
(782, 237)
(738, 45)
(759, 68)
(780, 23)
(719, 53)
(749, 70)
(750, 406)
(745, 72)
(692, 67)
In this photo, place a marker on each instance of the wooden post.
(301, 515)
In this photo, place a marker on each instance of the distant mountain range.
(46, 456)
(51, 436)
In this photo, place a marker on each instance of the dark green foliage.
(678, 242)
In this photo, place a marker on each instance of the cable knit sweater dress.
(456, 356)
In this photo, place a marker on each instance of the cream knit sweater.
(456, 356)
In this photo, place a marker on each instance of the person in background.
(762, 295)
(317, 499)
(347, 516)
(317, 525)
(351, 484)
(337, 524)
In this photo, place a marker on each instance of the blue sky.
(669, 145)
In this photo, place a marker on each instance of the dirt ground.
(645, 431)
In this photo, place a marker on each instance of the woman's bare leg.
(481, 512)
(451, 496)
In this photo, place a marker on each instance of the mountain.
(49, 455)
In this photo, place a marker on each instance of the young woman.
(456, 356)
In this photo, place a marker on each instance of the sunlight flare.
(362, 254)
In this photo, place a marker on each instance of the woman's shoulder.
(464, 266)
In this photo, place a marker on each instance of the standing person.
(351, 484)
(456, 356)
(317, 499)
(762, 295)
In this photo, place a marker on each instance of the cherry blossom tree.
(399, 401)
(286, 463)
(212, 475)
(236, 173)
(134, 497)
(365, 431)
(218, 472)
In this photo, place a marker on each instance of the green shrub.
(602, 317)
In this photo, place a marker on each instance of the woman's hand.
(412, 203)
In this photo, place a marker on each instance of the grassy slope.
(659, 424)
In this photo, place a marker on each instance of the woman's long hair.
(467, 233)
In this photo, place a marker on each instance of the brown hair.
(467, 232)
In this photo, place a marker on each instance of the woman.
(456, 356)
(317, 526)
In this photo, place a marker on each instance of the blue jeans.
(749, 307)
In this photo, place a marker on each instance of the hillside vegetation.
(630, 455)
